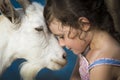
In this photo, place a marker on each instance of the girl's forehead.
(57, 25)
(55, 22)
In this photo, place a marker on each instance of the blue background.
(12, 73)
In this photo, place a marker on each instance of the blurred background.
(12, 73)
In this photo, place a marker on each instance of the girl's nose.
(61, 42)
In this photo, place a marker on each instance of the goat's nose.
(64, 56)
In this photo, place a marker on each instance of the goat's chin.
(57, 65)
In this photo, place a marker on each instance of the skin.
(101, 44)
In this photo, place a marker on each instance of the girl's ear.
(85, 24)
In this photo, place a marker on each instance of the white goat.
(23, 34)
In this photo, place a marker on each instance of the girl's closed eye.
(59, 36)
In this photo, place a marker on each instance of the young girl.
(86, 28)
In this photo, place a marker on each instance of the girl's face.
(75, 44)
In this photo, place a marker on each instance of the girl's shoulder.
(110, 65)
(111, 56)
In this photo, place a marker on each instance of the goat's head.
(26, 36)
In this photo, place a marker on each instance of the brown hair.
(69, 11)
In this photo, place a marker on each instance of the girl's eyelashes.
(59, 36)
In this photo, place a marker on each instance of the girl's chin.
(76, 52)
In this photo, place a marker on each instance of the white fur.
(40, 49)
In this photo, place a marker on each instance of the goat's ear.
(24, 3)
(8, 10)
(113, 8)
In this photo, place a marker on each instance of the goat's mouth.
(60, 63)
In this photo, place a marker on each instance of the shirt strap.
(103, 61)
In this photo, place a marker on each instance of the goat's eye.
(39, 29)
